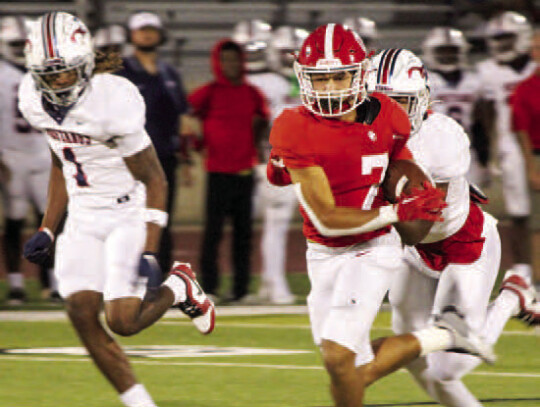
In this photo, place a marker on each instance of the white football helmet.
(12, 39)
(399, 73)
(59, 43)
(364, 27)
(110, 38)
(508, 36)
(445, 49)
(286, 41)
(254, 36)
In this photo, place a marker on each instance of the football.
(401, 177)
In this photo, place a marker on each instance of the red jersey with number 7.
(354, 156)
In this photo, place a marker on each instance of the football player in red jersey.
(336, 149)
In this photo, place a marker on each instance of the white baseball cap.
(144, 19)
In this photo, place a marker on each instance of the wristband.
(156, 216)
(48, 232)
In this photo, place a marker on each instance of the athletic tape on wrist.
(156, 216)
(48, 231)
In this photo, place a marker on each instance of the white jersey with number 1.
(98, 132)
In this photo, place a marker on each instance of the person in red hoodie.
(233, 114)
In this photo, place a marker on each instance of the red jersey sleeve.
(198, 100)
(521, 119)
(402, 130)
(289, 140)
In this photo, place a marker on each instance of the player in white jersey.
(457, 261)
(270, 58)
(456, 92)
(25, 154)
(102, 164)
(508, 38)
(110, 38)
(366, 28)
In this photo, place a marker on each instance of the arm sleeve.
(451, 157)
(127, 116)
(521, 119)
(402, 129)
(290, 142)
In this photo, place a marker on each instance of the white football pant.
(417, 297)
(348, 286)
(100, 250)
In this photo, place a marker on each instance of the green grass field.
(231, 379)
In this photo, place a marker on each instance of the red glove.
(277, 173)
(426, 204)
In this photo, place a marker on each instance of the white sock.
(178, 287)
(499, 312)
(52, 280)
(524, 270)
(16, 280)
(433, 339)
(137, 396)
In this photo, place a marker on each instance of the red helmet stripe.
(329, 42)
(47, 27)
(386, 66)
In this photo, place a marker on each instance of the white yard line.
(305, 326)
(237, 365)
(171, 314)
(174, 317)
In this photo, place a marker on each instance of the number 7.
(80, 177)
(369, 163)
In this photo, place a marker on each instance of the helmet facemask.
(508, 36)
(414, 103)
(44, 78)
(503, 46)
(448, 58)
(256, 59)
(330, 102)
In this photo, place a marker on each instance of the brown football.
(401, 177)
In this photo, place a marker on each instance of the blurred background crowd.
(169, 51)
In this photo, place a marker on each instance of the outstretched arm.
(145, 167)
(57, 197)
(316, 197)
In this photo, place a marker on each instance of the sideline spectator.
(164, 96)
(233, 115)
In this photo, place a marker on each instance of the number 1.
(80, 177)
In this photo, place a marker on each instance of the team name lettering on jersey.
(69, 137)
